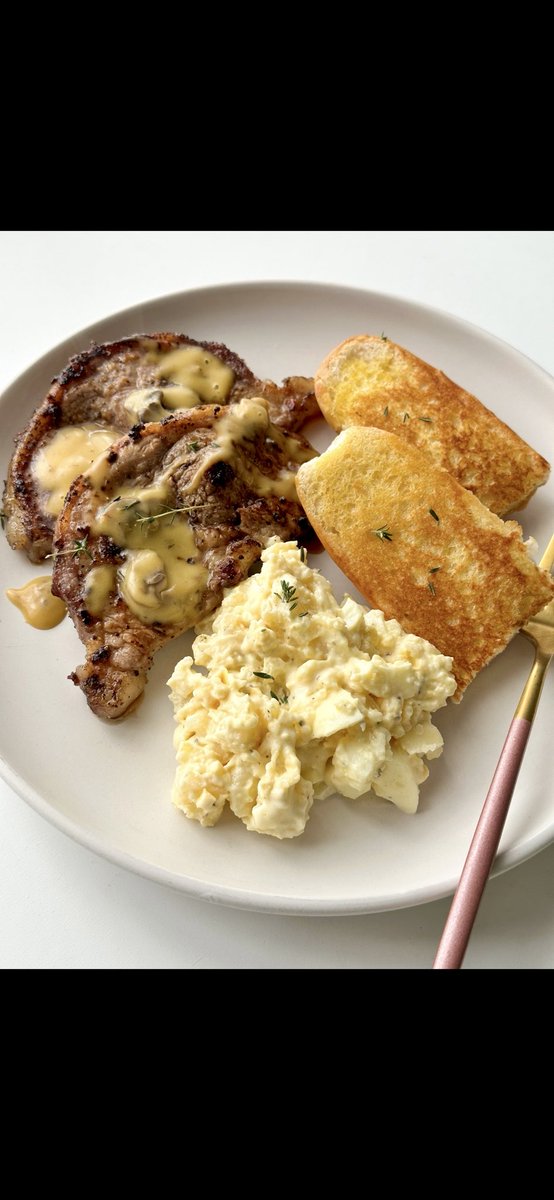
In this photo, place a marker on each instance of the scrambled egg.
(302, 697)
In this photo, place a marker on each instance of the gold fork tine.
(540, 630)
(482, 852)
(548, 557)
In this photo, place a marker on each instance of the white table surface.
(60, 906)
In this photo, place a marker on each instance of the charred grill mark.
(229, 572)
(81, 364)
(54, 413)
(108, 551)
(100, 655)
(92, 683)
(220, 474)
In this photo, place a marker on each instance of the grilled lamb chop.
(108, 389)
(163, 521)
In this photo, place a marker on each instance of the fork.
(481, 854)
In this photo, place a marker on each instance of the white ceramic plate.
(108, 786)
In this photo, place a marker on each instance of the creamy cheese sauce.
(246, 421)
(162, 578)
(184, 378)
(99, 583)
(65, 456)
(199, 372)
(145, 404)
(35, 601)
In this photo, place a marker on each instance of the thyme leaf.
(383, 533)
(287, 593)
(432, 588)
(168, 512)
(433, 514)
(79, 547)
(262, 675)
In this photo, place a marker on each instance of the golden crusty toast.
(369, 380)
(422, 548)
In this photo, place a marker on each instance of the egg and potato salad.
(301, 697)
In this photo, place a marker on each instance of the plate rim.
(170, 297)
(254, 901)
(218, 893)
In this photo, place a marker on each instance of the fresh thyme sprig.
(167, 512)
(383, 533)
(79, 547)
(287, 594)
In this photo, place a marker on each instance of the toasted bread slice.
(422, 548)
(369, 380)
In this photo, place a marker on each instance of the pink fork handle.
(481, 854)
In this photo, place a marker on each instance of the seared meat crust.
(230, 521)
(92, 388)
